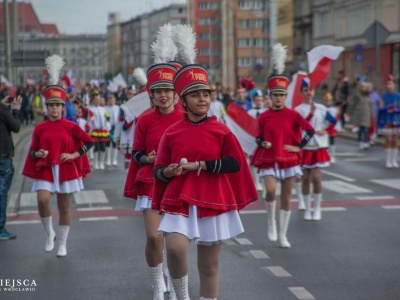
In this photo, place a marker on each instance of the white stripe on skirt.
(206, 231)
(281, 174)
(66, 187)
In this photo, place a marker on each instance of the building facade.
(84, 55)
(344, 23)
(113, 45)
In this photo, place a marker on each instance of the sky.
(90, 16)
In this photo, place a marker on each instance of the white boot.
(62, 237)
(256, 178)
(102, 157)
(307, 203)
(284, 219)
(91, 153)
(299, 195)
(394, 157)
(115, 156)
(389, 158)
(361, 145)
(317, 207)
(51, 235)
(108, 151)
(181, 288)
(96, 160)
(169, 287)
(332, 151)
(156, 279)
(270, 207)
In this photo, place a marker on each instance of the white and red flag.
(8, 85)
(294, 96)
(243, 126)
(319, 59)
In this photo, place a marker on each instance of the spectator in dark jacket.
(341, 92)
(9, 122)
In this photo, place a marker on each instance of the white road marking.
(229, 243)
(337, 176)
(99, 219)
(259, 254)
(327, 209)
(342, 187)
(349, 154)
(27, 212)
(385, 207)
(392, 183)
(28, 199)
(23, 222)
(95, 208)
(277, 271)
(251, 212)
(93, 196)
(374, 197)
(301, 293)
(361, 159)
(243, 241)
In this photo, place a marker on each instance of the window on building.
(207, 21)
(251, 5)
(244, 62)
(245, 43)
(208, 6)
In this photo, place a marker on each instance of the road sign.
(29, 58)
(376, 34)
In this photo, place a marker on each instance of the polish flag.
(319, 59)
(294, 97)
(243, 126)
(8, 85)
(139, 104)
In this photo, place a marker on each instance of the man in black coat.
(9, 122)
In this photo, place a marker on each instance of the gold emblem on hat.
(54, 93)
(197, 76)
(164, 75)
(281, 83)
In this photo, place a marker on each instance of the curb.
(18, 161)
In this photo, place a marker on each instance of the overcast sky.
(90, 16)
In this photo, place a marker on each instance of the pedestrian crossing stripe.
(90, 197)
(343, 187)
(392, 183)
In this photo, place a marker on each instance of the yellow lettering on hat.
(54, 93)
(165, 76)
(197, 76)
(281, 83)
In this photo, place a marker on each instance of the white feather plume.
(54, 65)
(185, 40)
(140, 76)
(279, 53)
(164, 48)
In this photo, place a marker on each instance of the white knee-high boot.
(308, 212)
(332, 149)
(62, 237)
(102, 157)
(169, 287)
(156, 279)
(108, 151)
(96, 157)
(389, 158)
(115, 157)
(181, 287)
(394, 157)
(284, 219)
(91, 153)
(317, 207)
(299, 195)
(270, 208)
(256, 178)
(51, 235)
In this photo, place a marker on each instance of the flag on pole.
(319, 59)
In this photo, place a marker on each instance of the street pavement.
(352, 253)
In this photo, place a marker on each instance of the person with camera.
(9, 122)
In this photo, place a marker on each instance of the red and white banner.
(319, 59)
(139, 104)
(243, 126)
(294, 97)
(8, 85)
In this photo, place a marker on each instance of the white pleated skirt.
(143, 203)
(281, 174)
(206, 231)
(66, 187)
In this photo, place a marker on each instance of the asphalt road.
(352, 253)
